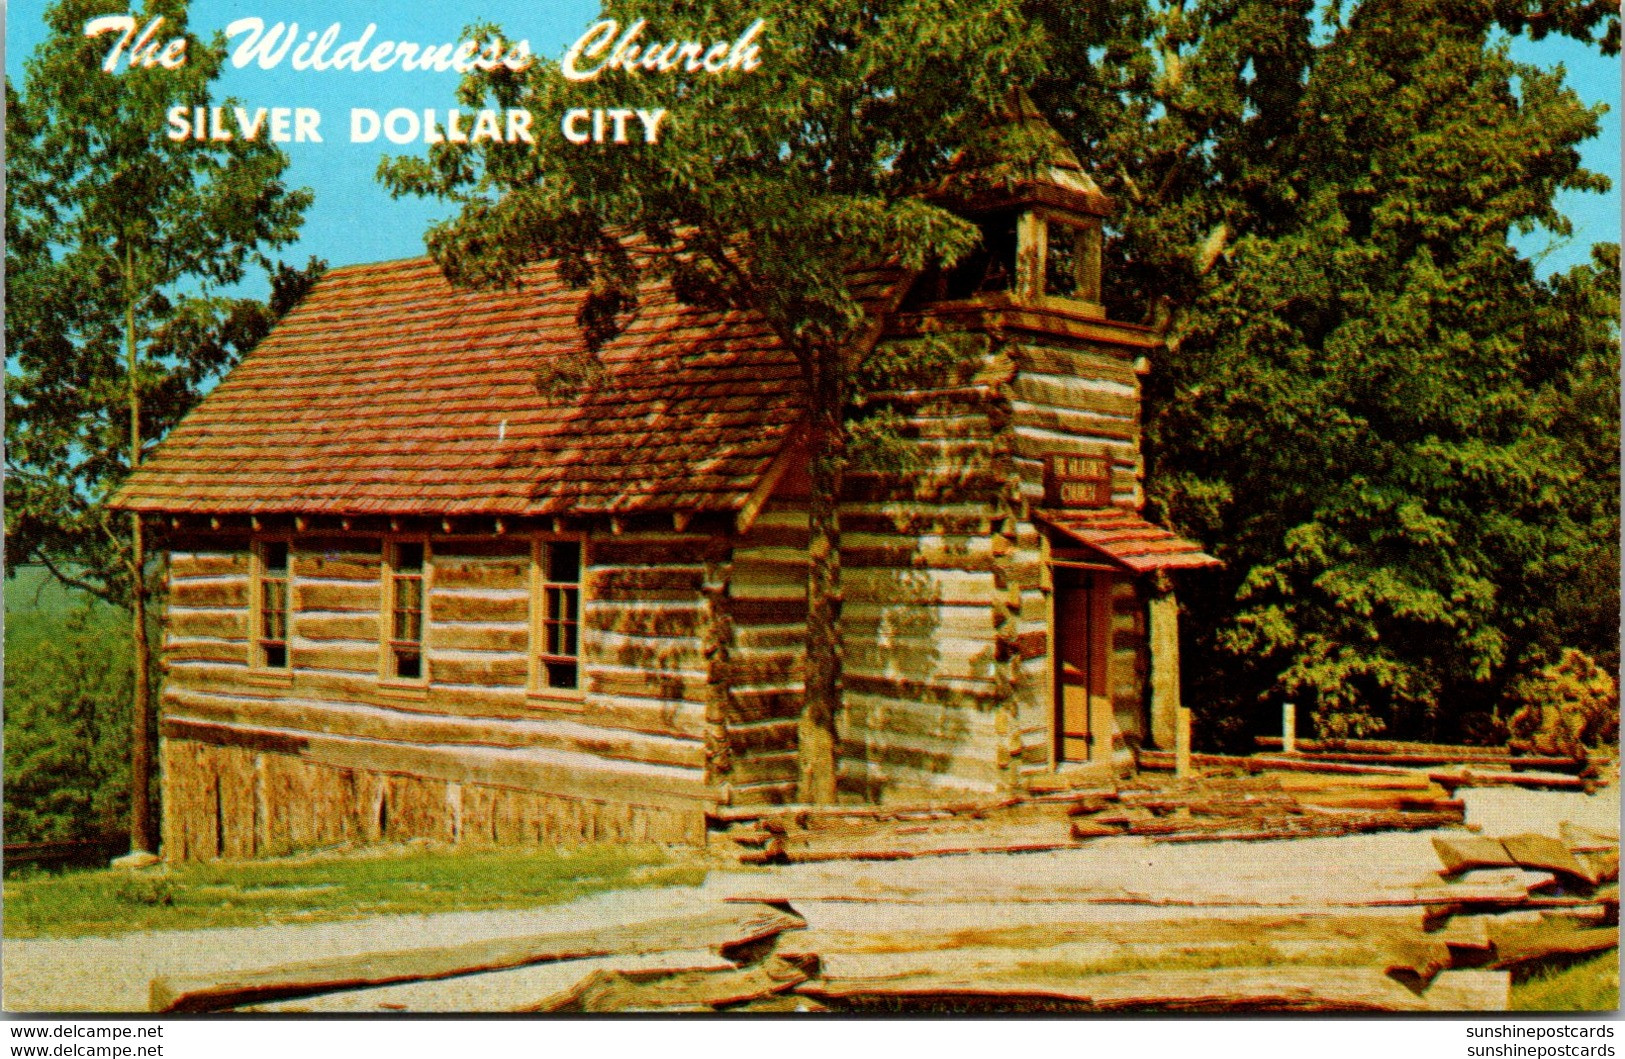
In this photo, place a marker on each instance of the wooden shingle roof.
(1126, 539)
(390, 392)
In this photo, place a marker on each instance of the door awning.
(1127, 540)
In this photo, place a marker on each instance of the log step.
(1470, 990)
(700, 990)
(536, 987)
(1224, 989)
(716, 928)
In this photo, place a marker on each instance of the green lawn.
(1590, 985)
(107, 902)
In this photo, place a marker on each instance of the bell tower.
(1040, 214)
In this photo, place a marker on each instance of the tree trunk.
(816, 746)
(141, 837)
(141, 831)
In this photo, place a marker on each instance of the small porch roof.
(1126, 540)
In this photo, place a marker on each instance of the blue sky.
(355, 220)
(1596, 217)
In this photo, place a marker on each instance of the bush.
(1565, 707)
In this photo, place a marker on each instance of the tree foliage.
(67, 731)
(1565, 707)
(121, 247)
(767, 186)
(1402, 442)
(105, 214)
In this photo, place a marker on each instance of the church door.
(1083, 705)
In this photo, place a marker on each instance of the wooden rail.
(78, 852)
(1377, 752)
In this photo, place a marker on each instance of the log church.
(413, 590)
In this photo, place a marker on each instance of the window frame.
(1089, 244)
(388, 645)
(540, 582)
(257, 640)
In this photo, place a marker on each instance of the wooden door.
(1082, 658)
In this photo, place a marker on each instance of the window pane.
(276, 557)
(561, 674)
(408, 664)
(273, 619)
(998, 266)
(561, 603)
(408, 593)
(990, 266)
(409, 557)
(564, 561)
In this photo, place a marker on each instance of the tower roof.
(1019, 159)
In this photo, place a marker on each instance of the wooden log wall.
(692, 649)
(477, 624)
(923, 566)
(238, 802)
(767, 600)
(634, 740)
(1131, 663)
(1018, 571)
(1077, 400)
(645, 670)
(337, 599)
(206, 618)
(1033, 691)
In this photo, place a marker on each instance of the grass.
(193, 896)
(1590, 984)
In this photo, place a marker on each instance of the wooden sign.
(1077, 481)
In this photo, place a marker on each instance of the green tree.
(120, 247)
(1403, 443)
(67, 732)
(765, 188)
(1398, 437)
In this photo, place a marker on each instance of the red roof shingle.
(390, 392)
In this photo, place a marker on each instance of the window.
(1072, 261)
(1024, 253)
(271, 632)
(560, 615)
(405, 659)
(991, 267)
